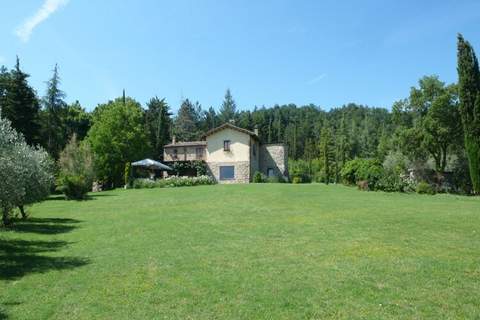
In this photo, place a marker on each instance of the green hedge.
(172, 182)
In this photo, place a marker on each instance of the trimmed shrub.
(75, 187)
(425, 188)
(258, 177)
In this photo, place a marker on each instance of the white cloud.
(49, 6)
(318, 78)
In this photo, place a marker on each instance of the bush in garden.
(172, 182)
(25, 172)
(297, 180)
(76, 170)
(258, 177)
(275, 179)
(75, 187)
(302, 169)
(425, 188)
(369, 170)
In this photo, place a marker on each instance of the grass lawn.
(244, 252)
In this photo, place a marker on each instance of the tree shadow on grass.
(21, 257)
(92, 196)
(44, 225)
(3, 309)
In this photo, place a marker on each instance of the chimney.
(256, 130)
(173, 140)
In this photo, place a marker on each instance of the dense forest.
(421, 134)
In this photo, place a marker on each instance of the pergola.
(151, 165)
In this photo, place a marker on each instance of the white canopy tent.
(151, 164)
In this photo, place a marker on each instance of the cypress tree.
(327, 153)
(469, 93)
(158, 123)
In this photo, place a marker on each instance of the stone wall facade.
(241, 171)
(275, 157)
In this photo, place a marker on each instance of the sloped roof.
(230, 126)
(187, 144)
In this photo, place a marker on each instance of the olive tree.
(25, 172)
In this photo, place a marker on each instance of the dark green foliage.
(77, 121)
(53, 124)
(469, 93)
(186, 123)
(327, 155)
(117, 137)
(75, 187)
(193, 168)
(258, 177)
(425, 188)
(369, 170)
(19, 103)
(228, 110)
(158, 123)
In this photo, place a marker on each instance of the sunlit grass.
(244, 251)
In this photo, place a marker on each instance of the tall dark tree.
(228, 110)
(210, 119)
(469, 94)
(341, 147)
(19, 103)
(186, 122)
(327, 156)
(54, 129)
(158, 122)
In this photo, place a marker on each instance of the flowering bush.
(172, 182)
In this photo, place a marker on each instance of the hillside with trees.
(430, 136)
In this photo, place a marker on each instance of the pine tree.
(228, 110)
(186, 122)
(469, 93)
(210, 119)
(19, 104)
(54, 130)
(158, 124)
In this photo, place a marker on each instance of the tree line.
(435, 128)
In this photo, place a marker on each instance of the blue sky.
(323, 52)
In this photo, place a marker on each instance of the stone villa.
(232, 154)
